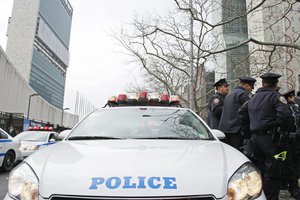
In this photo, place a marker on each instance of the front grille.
(132, 198)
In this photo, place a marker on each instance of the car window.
(143, 123)
(3, 135)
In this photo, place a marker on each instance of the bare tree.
(223, 31)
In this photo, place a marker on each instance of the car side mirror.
(219, 134)
(52, 140)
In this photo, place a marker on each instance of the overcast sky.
(97, 69)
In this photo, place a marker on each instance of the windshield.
(32, 136)
(141, 123)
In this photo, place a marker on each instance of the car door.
(3, 145)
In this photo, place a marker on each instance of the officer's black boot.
(271, 188)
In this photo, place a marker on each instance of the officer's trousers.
(264, 150)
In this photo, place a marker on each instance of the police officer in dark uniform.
(293, 158)
(215, 104)
(265, 112)
(230, 123)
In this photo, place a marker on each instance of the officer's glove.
(248, 149)
(283, 138)
(246, 133)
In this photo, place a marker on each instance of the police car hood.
(25, 143)
(135, 168)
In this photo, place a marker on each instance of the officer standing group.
(269, 118)
(230, 124)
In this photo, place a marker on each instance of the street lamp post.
(29, 102)
(62, 115)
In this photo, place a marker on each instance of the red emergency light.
(165, 98)
(143, 96)
(122, 98)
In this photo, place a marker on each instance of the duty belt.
(263, 132)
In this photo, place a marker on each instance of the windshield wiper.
(167, 138)
(93, 138)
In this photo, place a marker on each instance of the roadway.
(3, 183)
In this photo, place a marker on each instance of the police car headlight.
(23, 183)
(30, 148)
(246, 183)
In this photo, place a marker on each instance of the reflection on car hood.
(135, 168)
(35, 143)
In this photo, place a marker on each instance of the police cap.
(270, 77)
(289, 94)
(248, 80)
(221, 82)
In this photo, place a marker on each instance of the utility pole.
(191, 89)
(62, 115)
(29, 102)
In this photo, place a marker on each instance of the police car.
(35, 138)
(9, 151)
(138, 149)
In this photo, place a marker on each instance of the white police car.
(138, 152)
(9, 151)
(34, 139)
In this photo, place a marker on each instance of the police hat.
(289, 94)
(248, 80)
(270, 77)
(221, 82)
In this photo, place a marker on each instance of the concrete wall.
(15, 93)
(21, 34)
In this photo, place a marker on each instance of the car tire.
(8, 162)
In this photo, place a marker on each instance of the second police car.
(34, 139)
(138, 149)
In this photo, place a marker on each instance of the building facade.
(234, 63)
(276, 22)
(39, 46)
(235, 32)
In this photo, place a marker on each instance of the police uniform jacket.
(215, 106)
(230, 122)
(266, 110)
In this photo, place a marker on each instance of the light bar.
(40, 128)
(144, 99)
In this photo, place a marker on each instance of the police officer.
(265, 112)
(215, 104)
(230, 123)
(293, 164)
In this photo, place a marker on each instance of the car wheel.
(8, 162)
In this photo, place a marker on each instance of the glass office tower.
(38, 45)
(237, 62)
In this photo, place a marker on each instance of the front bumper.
(261, 197)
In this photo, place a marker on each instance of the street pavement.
(284, 194)
(3, 184)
